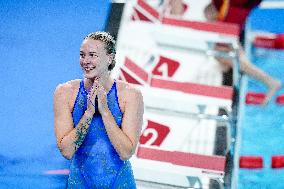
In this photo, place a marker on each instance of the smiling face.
(94, 59)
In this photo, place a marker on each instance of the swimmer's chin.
(91, 77)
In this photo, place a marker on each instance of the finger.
(93, 96)
(101, 92)
(92, 99)
(100, 88)
(92, 104)
(97, 78)
(94, 88)
(96, 82)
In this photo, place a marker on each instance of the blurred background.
(39, 42)
(205, 123)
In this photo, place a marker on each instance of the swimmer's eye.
(94, 55)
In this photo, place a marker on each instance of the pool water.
(262, 128)
(39, 45)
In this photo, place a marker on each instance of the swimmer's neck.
(106, 81)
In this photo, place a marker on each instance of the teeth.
(88, 69)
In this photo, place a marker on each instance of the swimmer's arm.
(68, 138)
(126, 139)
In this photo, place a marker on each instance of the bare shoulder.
(66, 89)
(128, 91)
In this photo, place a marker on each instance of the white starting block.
(177, 168)
(160, 55)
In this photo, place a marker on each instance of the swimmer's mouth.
(89, 68)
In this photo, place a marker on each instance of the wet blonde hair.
(109, 42)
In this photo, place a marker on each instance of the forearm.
(121, 142)
(73, 140)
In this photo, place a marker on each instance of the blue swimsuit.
(96, 164)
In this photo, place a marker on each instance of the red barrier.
(216, 163)
(280, 100)
(270, 42)
(254, 98)
(193, 88)
(216, 27)
(138, 15)
(251, 162)
(127, 77)
(143, 4)
(277, 161)
(140, 72)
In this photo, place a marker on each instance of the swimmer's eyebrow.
(93, 52)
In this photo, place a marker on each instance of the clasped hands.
(97, 93)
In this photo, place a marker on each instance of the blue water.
(262, 128)
(39, 45)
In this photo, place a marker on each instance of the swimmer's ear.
(111, 57)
